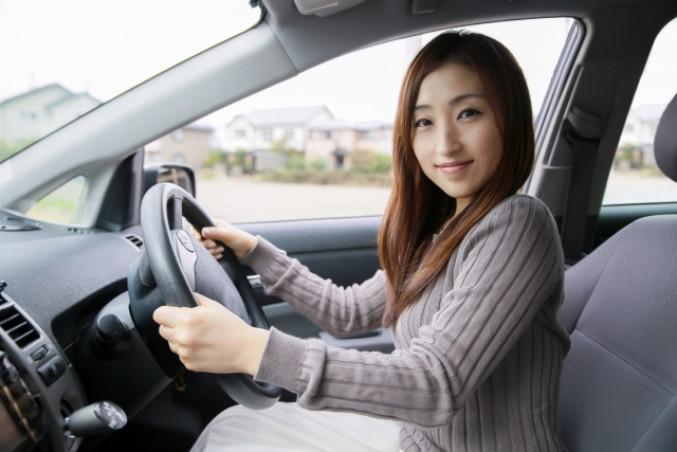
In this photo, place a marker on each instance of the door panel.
(341, 249)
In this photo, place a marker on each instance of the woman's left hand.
(210, 338)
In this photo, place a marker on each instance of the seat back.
(619, 380)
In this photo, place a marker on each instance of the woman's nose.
(448, 139)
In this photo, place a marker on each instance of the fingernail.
(206, 232)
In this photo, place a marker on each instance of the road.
(241, 200)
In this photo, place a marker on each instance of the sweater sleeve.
(507, 269)
(341, 311)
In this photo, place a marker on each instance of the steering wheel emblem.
(185, 240)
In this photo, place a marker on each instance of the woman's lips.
(453, 167)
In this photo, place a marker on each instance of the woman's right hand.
(236, 239)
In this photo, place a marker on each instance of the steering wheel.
(172, 266)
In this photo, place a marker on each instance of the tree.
(368, 161)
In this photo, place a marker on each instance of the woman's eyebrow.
(463, 97)
(454, 101)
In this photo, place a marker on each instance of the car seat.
(619, 379)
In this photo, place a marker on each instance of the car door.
(341, 249)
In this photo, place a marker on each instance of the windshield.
(63, 58)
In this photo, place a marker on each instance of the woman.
(471, 285)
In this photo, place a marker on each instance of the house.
(274, 129)
(190, 145)
(639, 130)
(36, 113)
(335, 141)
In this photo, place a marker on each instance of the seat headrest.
(665, 141)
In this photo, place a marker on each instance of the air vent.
(3, 286)
(13, 223)
(135, 240)
(17, 327)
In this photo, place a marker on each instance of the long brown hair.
(417, 208)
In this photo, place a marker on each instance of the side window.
(635, 178)
(320, 144)
(61, 205)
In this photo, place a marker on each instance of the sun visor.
(323, 8)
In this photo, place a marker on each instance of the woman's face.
(456, 137)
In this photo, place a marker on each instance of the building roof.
(199, 125)
(65, 95)
(344, 124)
(283, 116)
(52, 86)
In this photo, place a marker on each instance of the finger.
(180, 353)
(167, 334)
(166, 315)
(217, 227)
(173, 347)
(209, 243)
(239, 241)
(213, 247)
(222, 233)
(195, 233)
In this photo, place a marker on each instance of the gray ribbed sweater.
(478, 357)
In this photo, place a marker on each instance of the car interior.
(82, 367)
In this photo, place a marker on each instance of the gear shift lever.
(99, 417)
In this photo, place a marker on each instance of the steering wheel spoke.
(187, 256)
(175, 214)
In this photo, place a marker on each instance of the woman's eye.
(422, 123)
(468, 113)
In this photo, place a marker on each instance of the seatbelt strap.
(583, 131)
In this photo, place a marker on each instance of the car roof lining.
(384, 20)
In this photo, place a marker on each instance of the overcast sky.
(105, 47)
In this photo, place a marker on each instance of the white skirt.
(286, 427)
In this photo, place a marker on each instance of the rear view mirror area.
(176, 173)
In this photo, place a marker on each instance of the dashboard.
(38, 387)
(72, 363)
